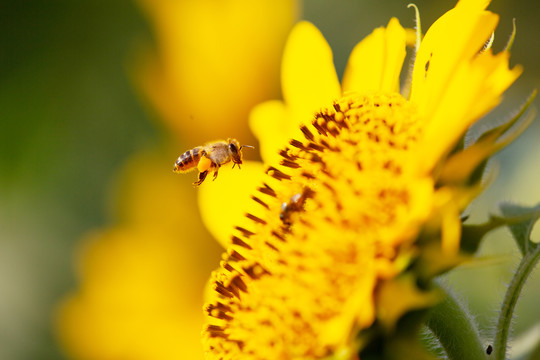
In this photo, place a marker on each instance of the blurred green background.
(70, 117)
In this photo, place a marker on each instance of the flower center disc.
(339, 211)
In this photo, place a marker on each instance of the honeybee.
(210, 157)
(295, 204)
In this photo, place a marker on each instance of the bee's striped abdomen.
(188, 160)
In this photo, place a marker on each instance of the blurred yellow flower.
(140, 284)
(141, 279)
(336, 224)
(214, 61)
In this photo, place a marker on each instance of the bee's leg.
(215, 173)
(202, 176)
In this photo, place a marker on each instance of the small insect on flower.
(210, 157)
(295, 204)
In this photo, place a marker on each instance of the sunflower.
(363, 192)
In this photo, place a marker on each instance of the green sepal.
(522, 230)
(467, 166)
(520, 221)
(510, 42)
(433, 261)
(472, 234)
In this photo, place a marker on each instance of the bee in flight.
(210, 157)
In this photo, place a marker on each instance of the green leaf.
(522, 230)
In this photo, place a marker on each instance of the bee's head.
(236, 150)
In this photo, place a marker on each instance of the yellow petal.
(449, 202)
(453, 83)
(459, 167)
(451, 231)
(399, 296)
(268, 122)
(375, 63)
(454, 38)
(308, 77)
(223, 203)
(365, 67)
(474, 89)
(309, 81)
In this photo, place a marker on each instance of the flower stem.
(456, 330)
(510, 299)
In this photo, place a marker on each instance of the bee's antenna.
(248, 146)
